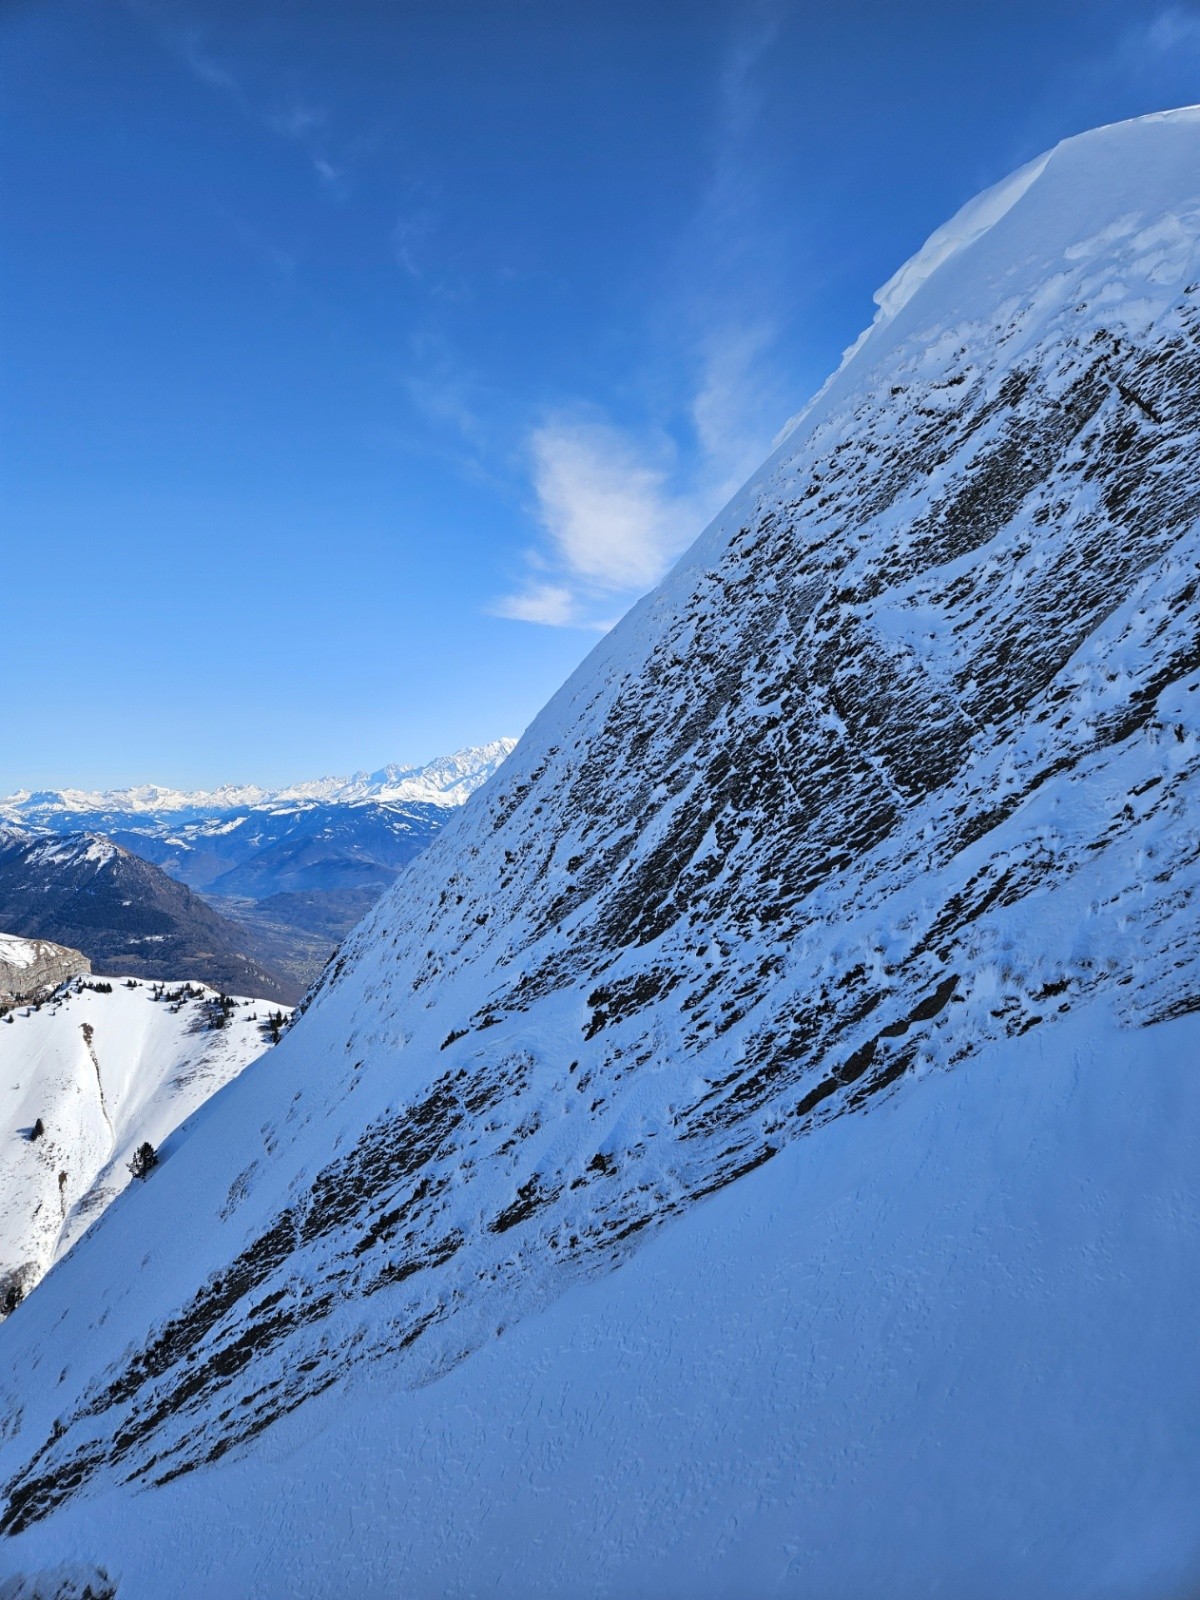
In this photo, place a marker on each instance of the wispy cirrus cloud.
(616, 505)
(554, 605)
(1177, 27)
(735, 408)
(411, 235)
(191, 47)
(1158, 56)
(611, 521)
(297, 120)
(606, 504)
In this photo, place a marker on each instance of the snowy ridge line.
(968, 225)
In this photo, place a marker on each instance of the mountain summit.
(824, 957)
(126, 916)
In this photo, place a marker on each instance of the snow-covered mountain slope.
(823, 956)
(85, 1078)
(905, 1358)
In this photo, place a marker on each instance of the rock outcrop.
(30, 969)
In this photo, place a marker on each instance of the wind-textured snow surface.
(906, 1358)
(103, 1066)
(824, 957)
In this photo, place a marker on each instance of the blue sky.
(360, 361)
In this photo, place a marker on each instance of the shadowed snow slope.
(823, 955)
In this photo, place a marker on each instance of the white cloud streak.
(736, 405)
(190, 43)
(1173, 29)
(552, 604)
(605, 505)
(410, 235)
(297, 121)
(617, 507)
(611, 521)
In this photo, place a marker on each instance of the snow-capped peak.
(75, 849)
(446, 781)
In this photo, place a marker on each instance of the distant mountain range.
(297, 866)
(444, 783)
(126, 915)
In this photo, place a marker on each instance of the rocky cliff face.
(30, 969)
(897, 767)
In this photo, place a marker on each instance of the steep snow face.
(907, 1358)
(101, 1068)
(896, 767)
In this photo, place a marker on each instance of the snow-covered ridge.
(76, 850)
(973, 221)
(963, 229)
(445, 781)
